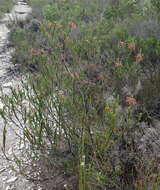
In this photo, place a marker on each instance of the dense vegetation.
(5, 6)
(92, 97)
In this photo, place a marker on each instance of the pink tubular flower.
(132, 46)
(131, 100)
(72, 25)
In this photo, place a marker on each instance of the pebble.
(11, 180)
(8, 84)
(4, 178)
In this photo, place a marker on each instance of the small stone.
(7, 188)
(4, 178)
(10, 151)
(11, 180)
(9, 84)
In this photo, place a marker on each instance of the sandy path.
(8, 179)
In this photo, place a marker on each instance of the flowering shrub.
(82, 96)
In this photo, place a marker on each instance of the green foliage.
(51, 12)
(156, 5)
(121, 9)
(5, 6)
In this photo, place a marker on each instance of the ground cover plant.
(91, 101)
